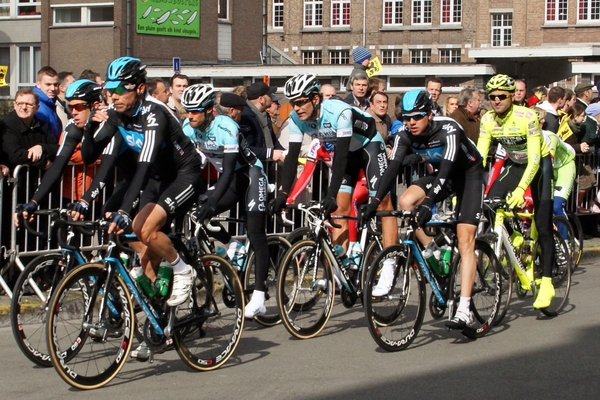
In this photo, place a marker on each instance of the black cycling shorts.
(176, 196)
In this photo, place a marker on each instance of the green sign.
(168, 17)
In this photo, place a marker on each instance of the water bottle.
(355, 255)
(143, 281)
(445, 259)
(432, 255)
(239, 256)
(124, 259)
(221, 252)
(163, 279)
(339, 250)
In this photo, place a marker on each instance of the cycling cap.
(301, 85)
(198, 97)
(83, 89)
(416, 101)
(125, 69)
(501, 82)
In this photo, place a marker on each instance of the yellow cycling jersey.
(520, 134)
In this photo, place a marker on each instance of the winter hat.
(360, 54)
(593, 109)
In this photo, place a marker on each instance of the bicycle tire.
(578, 231)
(209, 330)
(28, 310)
(305, 294)
(486, 291)
(372, 251)
(561, 222)
(394, 320)
(298, 234)
(82, 355)
(561, 275)
(278, 246)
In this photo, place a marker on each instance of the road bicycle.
(306, 283)
(394, 320)
(88, 345)
(522, 260)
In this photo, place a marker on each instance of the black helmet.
(125, 69)
(84, 89)
(416, 101)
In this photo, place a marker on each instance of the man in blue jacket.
(46, 87)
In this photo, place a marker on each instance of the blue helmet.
(125, 69)
(416, 101)
(84, 89)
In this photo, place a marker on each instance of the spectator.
(177, 85)
(358, 86)
(241, 91)
(467, 113)
(375, 85)
(450, 104)
(361, 57)
(327, 91)
(62, 109)
(378, 108)
(539, 95)
(231, 105)
(91, 76)
(555, 101)
(273, 113)
(158, 90)
(589, 128)
(433, 86)
(570, 99)
(520, 93)
(46, 88)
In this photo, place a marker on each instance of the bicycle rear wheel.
(486, 291)
(564, 227)
(278, 246)
(305, 289)
(210, 326)
(28, 310)
(88, 349)
(578, 231)
(394, 320)
(561, 274)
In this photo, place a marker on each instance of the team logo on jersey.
(327, 125)
(362, 125)
(151, 120)
(146, 109)
(449, 128)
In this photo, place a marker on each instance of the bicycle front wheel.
(210, 324)
(305, 289)
(394, 320)
(278, 246)
(89, 346)
(486, 291)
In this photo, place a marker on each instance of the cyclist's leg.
(565, 177)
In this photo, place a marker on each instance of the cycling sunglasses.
(499, 97)
(122, 89)
(415, 117)
(299, 103)
(79, 106)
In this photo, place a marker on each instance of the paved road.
(529, 356)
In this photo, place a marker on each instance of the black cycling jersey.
(156, 135)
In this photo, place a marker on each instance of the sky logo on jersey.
(146, 109)
(449, 128)
(133, 140)
(432, 155)
(151, 120)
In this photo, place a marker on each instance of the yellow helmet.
(501, 82)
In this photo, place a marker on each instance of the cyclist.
(441, 142)
(83, 96)
(242, 178)
(167, 169)
(357, 145)
(518, 130)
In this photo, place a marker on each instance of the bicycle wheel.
(394, 320)
(563, 226)
(298, 234)
(88, 349)
(305, 289)
(371, 253)
(208, 330)
(578, 232)
(486, 291)
(561, 274)
(28, 310)
(277, 248)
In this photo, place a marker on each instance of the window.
(27, 8)
(451, 11)
(312, 57)
(277, 13)
(421, 12)
(392, 12)
(313, 13)
(502, 30)
(4, 9)
(340, 12)
(84, 15)
(391, 56)
(339, 57)
(421, 56)
(5, 60)
(589, 10)
(30, 62)
(449, 56)
(556, 10)
(223, 9)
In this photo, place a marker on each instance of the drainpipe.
(364, 39)
(264, 32)
(128, 29)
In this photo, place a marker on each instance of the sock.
(546, 281)
(258, 296)
(463, 306)
(179, 266)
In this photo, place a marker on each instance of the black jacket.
(251, 129)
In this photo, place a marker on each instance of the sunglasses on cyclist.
(499, 97)
(415, 117)
(299, 103)
(79, 106)
(195, 111)
(121, 89)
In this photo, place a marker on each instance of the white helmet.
(301, 85)
(198, 97)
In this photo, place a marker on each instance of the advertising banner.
(168, 17)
